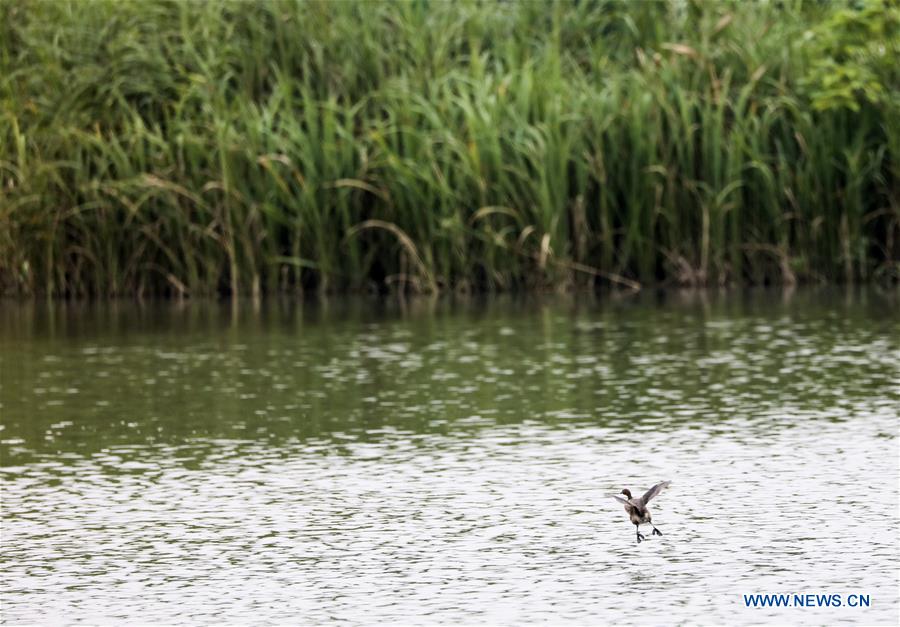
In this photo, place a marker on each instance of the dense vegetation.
(166, 147)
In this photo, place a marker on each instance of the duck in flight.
(637, 508)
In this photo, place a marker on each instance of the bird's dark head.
(627, 492)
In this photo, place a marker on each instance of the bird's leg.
(656, 531)
(640, 536)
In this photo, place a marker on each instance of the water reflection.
(449, 461)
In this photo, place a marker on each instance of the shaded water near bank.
(450, 461)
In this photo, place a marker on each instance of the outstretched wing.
(654, 491)
(620, 499)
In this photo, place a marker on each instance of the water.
(449, 461)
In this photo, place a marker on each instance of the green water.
(450, 460)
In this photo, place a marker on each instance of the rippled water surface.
(448, 461)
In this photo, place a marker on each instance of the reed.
(199, 148)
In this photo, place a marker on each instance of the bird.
(637, 508)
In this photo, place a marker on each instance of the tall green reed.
(200, 148)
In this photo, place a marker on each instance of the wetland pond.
(446, 461)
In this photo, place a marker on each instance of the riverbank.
(198, 148)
